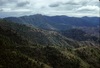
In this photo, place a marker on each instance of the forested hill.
(17, 51)
(42, 37)
(63, 24)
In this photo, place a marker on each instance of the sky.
(76, 8)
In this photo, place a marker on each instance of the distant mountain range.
(56, 22)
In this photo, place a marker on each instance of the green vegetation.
(18, 51)
(79, 34)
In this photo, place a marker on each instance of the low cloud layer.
(77, 8)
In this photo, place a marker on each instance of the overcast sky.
(77, 8)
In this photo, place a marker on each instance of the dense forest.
(23, 46)
(80, 35)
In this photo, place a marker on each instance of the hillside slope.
(16, 51)
(40, 36)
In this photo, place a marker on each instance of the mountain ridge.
(56, 22)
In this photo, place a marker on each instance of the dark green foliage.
(79, 34)
(16, 50)
(9, 56)
(34, 35)
(59, 57)
(91, 55)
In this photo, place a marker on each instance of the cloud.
(1, 2)
(53, 5)
(49, 7)
(5, 2)
(1, 10)
(5, 9)
(22, 4)
(71, 3)
(88, 8)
